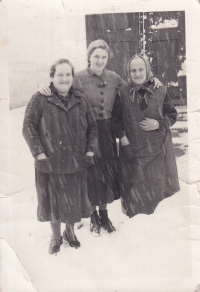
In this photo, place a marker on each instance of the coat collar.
(93, 73)
(75, 97)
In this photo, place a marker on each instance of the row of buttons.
(101, 108)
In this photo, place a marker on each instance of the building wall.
(39, 33)
(34, 33)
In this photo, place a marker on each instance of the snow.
(146, 253)
(14, 276)
(167, 23)
(182, 72)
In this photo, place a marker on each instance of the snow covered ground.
(151, 253)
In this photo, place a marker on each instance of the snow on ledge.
(167, 23)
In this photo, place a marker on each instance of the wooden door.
(165, 46)
(121, 32)
(160, 35)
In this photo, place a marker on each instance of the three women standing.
(100, 87)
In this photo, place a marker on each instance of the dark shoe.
(105, 221)
(95, 226)
(55, 244)
(72, 242)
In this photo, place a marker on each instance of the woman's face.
(138, 71)
(98, 60)
(63, 78)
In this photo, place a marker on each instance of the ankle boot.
(105, 221)
(95, 227)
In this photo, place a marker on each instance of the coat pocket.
(83, 161)
(44, 165)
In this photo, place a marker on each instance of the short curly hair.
(60, 61)
(96, 45)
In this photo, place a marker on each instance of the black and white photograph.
(99, 143)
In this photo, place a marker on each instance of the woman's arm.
(168, 120)
(157, 83)
(117, 121)
(44, 89)
(169, 113)
(30, 126)
(92, 130)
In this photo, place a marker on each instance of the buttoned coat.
(103, 180)
(100, 90)
(63, 134)
(148, 168)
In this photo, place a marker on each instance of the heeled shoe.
(55, 244)
(105, 221)
(72, 242)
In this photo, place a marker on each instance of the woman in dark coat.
(142, 116)
(100, 86)
(61, 132)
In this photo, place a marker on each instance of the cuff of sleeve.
(37, 150)
(162, 125)
(90, 148)
(121, 134)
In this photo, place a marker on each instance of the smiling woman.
(138, 71)
(62, 73)
(61, 132)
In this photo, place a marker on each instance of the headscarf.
(145, 86)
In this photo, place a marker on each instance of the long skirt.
(62, 197)
(103, 179)
(147, 180)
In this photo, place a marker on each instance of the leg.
(95, 226)
(56, 240)
(104, 220)
(103, 207)
(70, 236)
(55, 227)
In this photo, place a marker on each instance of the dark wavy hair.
(60, 61)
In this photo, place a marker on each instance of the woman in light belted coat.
(60, 131)
(100, 86)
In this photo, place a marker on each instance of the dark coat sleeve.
(30, 126)
(120, 81)
(117, 121)
(169, 114)
(92, 131)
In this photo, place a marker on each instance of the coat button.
(101, 115)
(102, 101)
(101, 92)
(101, 108)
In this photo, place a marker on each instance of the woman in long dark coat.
(61, 132)
(100, 86)
(142, 117)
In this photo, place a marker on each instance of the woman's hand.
(124, 141)
(41, 156)
(157, 83)
(149, 124)
(44, 89)
(89, 153)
